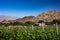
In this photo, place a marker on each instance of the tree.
(40, 21)
(48, 23)
(56, 21)
(17, 23)
(28, 23)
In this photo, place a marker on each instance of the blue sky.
(21, 8)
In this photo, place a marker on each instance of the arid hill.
(49, 16)
(2, 17)
(25, 19)
(45, 16)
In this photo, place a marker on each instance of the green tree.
(17, 23)
(56, 21)
(28, 23)
(40, 21)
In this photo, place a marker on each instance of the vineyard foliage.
(29, 33)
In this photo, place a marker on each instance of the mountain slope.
(45, 16)
(49, 16)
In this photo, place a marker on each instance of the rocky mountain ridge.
(45, 16)
(2, 17)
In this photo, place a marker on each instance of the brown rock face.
(5, 21)
(49, 16)
(25, 19)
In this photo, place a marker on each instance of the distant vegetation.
(28, 23)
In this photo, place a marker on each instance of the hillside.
(6, 18)
(49, 16)
(45, 16)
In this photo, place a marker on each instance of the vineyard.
(29, 33)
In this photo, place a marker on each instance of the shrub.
(21, 33)
(28, 23)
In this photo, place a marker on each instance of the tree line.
(28, 23)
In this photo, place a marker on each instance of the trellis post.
(57, 28)
(42, 26)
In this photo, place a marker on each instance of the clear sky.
(21, 8)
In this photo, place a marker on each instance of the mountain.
(25, 19)
(49, 16)
(7, 18)
(45, 16)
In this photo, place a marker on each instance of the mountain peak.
(50, 15)
(45, 16)
(2, 17)
(52, 11)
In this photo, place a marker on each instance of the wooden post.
(42, 26)
(24, 26)
(32, 27)
(57, 28)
